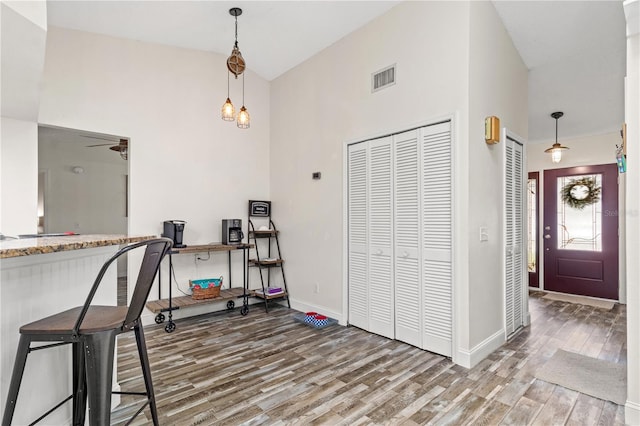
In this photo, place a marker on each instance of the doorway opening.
(83, 186)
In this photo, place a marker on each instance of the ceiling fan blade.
(116, 140)
(101, 144)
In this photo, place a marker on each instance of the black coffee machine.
(232, 231)
(174, 229)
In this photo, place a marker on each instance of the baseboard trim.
(631, 413)
(470, 358)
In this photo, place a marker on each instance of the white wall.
(18, 177)
(320, 105)
(24, 30)
(325, 102)
(184, 161)
(632, 118)
(498, 86)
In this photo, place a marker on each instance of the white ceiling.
(575, 50)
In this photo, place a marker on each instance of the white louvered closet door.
(437, 238)
(380, 237)
(514, 236)
(357, 241)
(408, 294)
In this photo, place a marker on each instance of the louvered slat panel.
(407, 232)
(380, 237)
(514, 236)
(518, 278)
(437, 306)
(436, 238)
(509, 279)
(357, 243)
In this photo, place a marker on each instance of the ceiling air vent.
(383, 78)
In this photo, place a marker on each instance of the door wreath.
(579, 193)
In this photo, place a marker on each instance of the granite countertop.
(42, 245)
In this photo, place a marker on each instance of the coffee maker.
(174, 229)
(232, 231)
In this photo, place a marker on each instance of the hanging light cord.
(236, 44)
(242, 89)
(227, 84)
(557, 129)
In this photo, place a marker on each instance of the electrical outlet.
(317, 288)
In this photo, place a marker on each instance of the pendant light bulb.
(228, 110)
(556, 155)
(243, 118)
(243, 115)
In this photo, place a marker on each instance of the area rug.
(601, 379)
(598, 303)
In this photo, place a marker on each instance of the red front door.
(581, 236)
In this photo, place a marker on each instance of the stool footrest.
(52, 410)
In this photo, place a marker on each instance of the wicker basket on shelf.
(207, 288)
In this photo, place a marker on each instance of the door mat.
(598, 378)
(583, 300)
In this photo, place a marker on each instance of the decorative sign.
(259, 208)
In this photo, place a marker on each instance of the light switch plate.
(484, 234)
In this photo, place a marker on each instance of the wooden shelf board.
(203, 248)
(270, 296)
(156, 306)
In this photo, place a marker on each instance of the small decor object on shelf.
(207, 288)
(579, 193)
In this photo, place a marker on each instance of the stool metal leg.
(146, 372)
(99, 354)
(16, 379)
(79, 385)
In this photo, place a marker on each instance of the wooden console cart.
(230, 294)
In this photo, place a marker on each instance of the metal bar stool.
(92, 331)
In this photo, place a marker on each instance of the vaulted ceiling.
(575, 50)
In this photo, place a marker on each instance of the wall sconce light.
(556, 148)
(492, 130)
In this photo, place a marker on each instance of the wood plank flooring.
(225, 369)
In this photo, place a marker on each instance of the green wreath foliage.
(592, 197)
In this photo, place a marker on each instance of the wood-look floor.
(225, 369)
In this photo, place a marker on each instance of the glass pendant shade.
(556, 152)
(556, 149)
(243, 118)
(228, 111)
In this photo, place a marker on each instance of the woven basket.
(208, 288)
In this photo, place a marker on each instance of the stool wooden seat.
(92, 331)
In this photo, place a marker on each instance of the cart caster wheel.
(170, 327)
(245, 310)
(159, 318)
(231, 304)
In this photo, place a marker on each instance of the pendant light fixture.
(556, 148)
(228, 110)
(235, 65)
